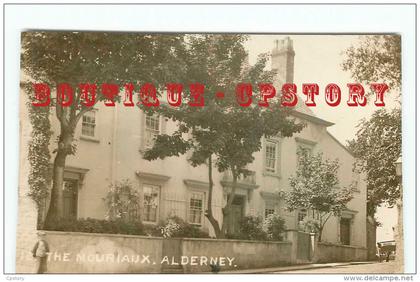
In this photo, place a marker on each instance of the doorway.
(236, 215)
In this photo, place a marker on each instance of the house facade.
(110, 146)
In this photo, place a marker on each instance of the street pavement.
(375, 267)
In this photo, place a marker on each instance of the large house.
(112, 140)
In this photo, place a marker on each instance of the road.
(384, 267)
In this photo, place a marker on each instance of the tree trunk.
(227, 209)
(56, 207)
(320, 234)
(209, 214)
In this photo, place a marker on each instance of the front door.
(70, 189)
(236, 214)
(345, 231)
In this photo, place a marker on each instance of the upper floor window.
(196, 208)
(306, 149)
(271, 156)
(305, 145)
(150, 202)
(89, 123)
(152, 129)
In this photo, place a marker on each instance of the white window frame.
(149, 143)
(95, 124)
(276, 148)
(144, 185)
(203, 206)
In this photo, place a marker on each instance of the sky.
(318, 59)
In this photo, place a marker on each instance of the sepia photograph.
(209, 153)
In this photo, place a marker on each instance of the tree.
(377, 146)
(378, 141)
(92, 57)
(376, 58)
(222, 134)
(315, 187)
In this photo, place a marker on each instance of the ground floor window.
(302, 214)
(270, 208)
(196, 208)
(150, 202)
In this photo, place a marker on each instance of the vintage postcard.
(209, 153)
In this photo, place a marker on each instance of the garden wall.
(244, 254)
(328, 252)
(76, 252)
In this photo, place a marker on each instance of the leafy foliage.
(315, 186)
(222, 129)
(378, 140)
(39, 154)
(274, 226)
(377, 146)
(311, 225)
(176, 227)
(251, 228)
(90, 225)
(122, 202)
(377, 58)
(256, 228)
(93, 57)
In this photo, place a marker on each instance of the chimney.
(282, 61)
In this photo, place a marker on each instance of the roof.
(304, 112)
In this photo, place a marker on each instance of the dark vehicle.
(386, 250)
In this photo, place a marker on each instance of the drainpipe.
(114, 144)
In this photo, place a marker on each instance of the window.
(151, 202)
(89, 124)
(307, 150)
(301, 215)
(270, 156)
(152, 129)
(196, 208)
(270, 208)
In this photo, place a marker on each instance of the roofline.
(312, 118)
(339, 143)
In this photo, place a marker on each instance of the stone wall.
(239, 254)
(75, 252)
(327, 252)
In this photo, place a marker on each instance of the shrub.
(251, 229)
(91, 225)
(311, 225)
(122, 202)
(176, 227)
(274, 226)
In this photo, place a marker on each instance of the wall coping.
(100, 234)
(343, 246)
(160, 238)
(235, 240)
